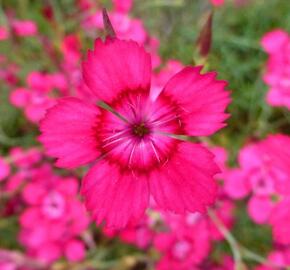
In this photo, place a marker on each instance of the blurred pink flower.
(277, 44)
(9, 73)
(279, 257)
(265, 172)
(140, 235)
(217, 3)
(123, 5)
(75, 250)
(19, 97)
(54, 217)
(138, 145)
(4, 169)
(260, 208)
(40, 94)
(71, 49)
(235, 184)
(3, 33)
(125, 27)
(183, 247)
(85, 5)
(24, 28)
(273, 41)
(280, 221)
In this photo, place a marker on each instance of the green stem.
(160, 3)
(239, 251)
(234, 245)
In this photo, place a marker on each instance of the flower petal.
(259, 208)
(116, 65)
(119, 198)
(203, 99)
(185, 182)
(68, 132)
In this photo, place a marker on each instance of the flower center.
(181, 249)
(53, 205)
(141, 130)
(130, 131)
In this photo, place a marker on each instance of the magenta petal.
(75, 250)
(274, 40)
(118, 198)
(186, 182)
(260, 208)
(280, 221)
(68, 132)
(203, 99)
(116, 65)
(236, 184)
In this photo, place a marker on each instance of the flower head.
(277, 44)
(134, 135)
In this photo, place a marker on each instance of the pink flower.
(264, 171)
(138, 154)
(71, 50)
(260, 209)
(123, 5)
(40, 94)
(236, 185)
(24, 28)
(217, 3)
(20, 97)
(16, 180)
(9, 73)
(183, 248)
(4, 169)
(54, 218)
(277, 44)
(280, 258)
(125, 27)
(140, 235)
(273, 41)
(75, 250)
(280, 220)
(3, 33)
(277, 150)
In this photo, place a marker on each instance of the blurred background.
(42, 44)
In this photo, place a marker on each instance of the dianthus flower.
(54, 218)
(3, 33)
(126, 27)
(4, 169)
(278, 259)
(185, 243)
(134, 133)
(264, 171)
(217, 3)
(277, 44)
(24, 28)
(39, 95)
(140, 235)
